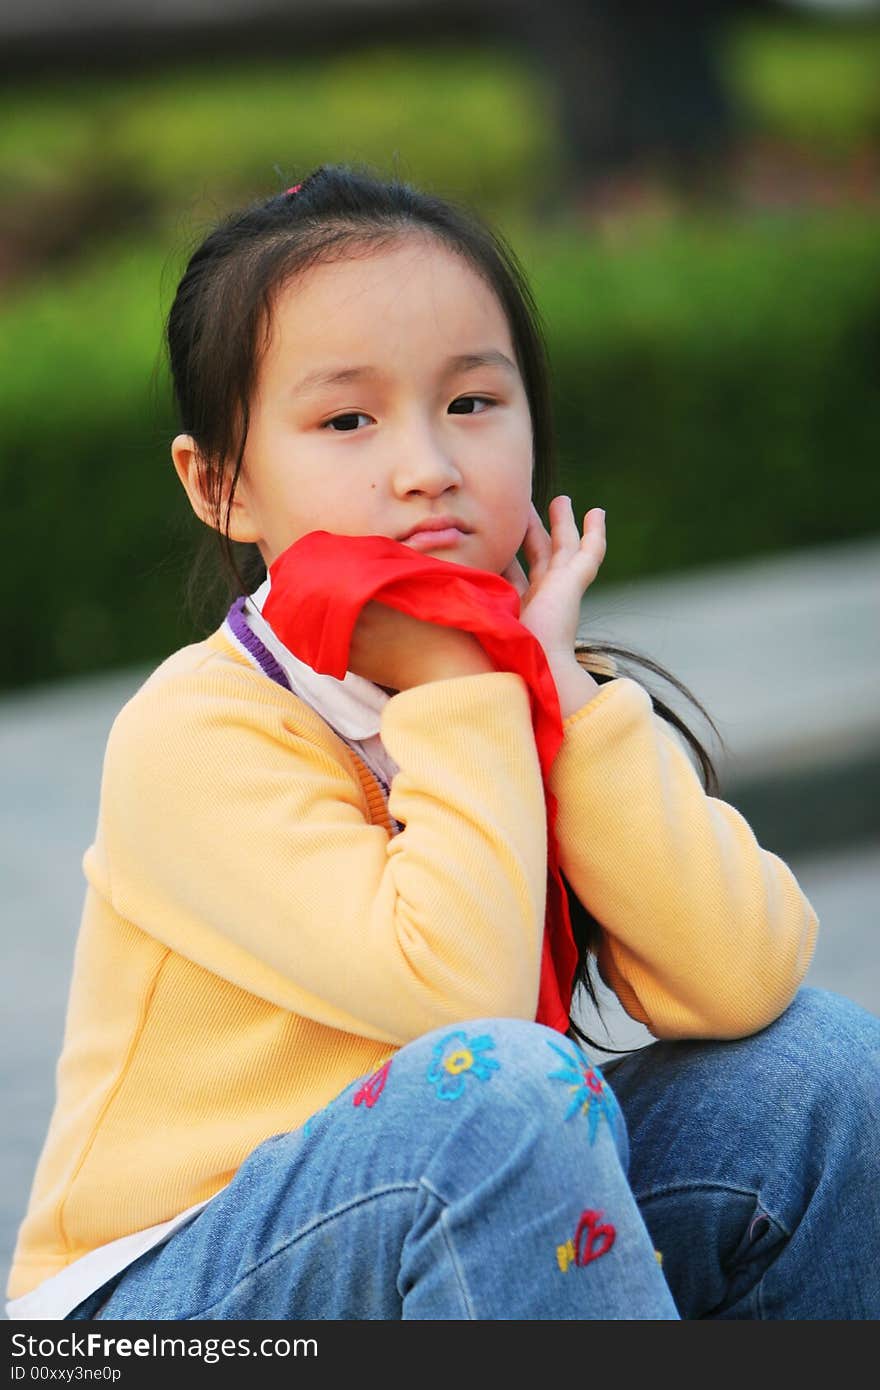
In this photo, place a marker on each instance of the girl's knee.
(843, 1041)
(822, 1016)
(827, 1038)
(484, 1047)
(461, 1058)
(512, 1064)
(813, 1066)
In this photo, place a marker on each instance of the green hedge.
(812, 80)
(717, 389)
(717, 392)
(178, 145)
(475, 121)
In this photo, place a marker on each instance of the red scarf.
(319, 586)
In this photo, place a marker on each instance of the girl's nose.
(423, 463)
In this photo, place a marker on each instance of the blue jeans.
(485, 1173)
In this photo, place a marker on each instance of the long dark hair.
(218, 327)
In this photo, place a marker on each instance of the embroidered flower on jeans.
(456, 1057)
(372, 1088)
(590, 1094)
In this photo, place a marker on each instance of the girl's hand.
(562, 566)
(397, 651)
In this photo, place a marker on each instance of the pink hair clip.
(295, 189)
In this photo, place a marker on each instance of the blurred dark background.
(694, 188)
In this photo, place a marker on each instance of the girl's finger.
(594, 525)
(593, 545)
(537, 546)
(564, 534)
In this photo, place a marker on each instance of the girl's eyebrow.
(463, 362)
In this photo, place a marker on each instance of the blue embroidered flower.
(590, 1094)
(455, 1058)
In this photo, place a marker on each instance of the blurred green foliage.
(178, 138)
(815, 83)
(716, 378)
(717, 388)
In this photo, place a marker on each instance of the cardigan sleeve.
(234, 828)
(704, 933)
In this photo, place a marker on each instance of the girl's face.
(389, 397)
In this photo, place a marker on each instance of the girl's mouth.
(435, 540)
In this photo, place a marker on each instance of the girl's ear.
(193, 475)
(188, 467)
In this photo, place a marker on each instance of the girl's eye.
(347, 422)
(464, 404)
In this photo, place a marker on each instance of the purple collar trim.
(251, 642)
(270, 667)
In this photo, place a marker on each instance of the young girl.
(355, 850)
